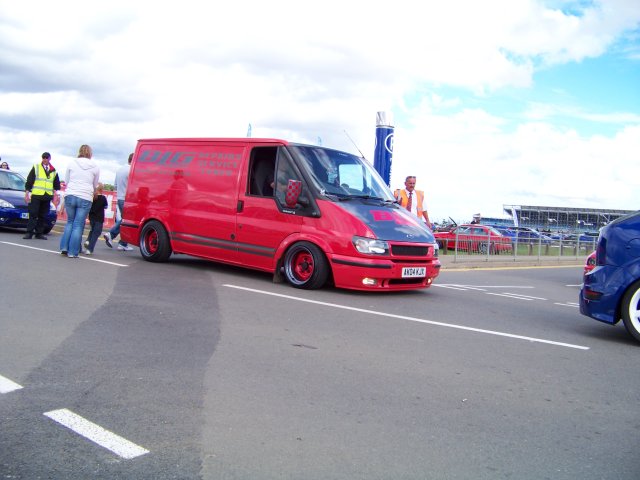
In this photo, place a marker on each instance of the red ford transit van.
(306, 213)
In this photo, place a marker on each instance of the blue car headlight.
(5, 204)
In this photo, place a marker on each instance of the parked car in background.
(533, 236)
(589, 237)
(506, 231)
(474, 238)
(611, 290)
(584, 241)
(14, 212)
(530, 235)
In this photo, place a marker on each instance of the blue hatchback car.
(14, 212)
(611, 291)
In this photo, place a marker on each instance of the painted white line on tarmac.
(109, 440)
(481, 288)
(568, 304)
(451, 287)
(7, 385)
(509, 296)
(413, 319)
(57, 252)
(518, 295)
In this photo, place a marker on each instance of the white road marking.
(118, 445)
(482, 288)
(509, 296)
(412, 319)
(57, 252)
(568, 304)
(450, 287)
(517, 295)
(7, 385)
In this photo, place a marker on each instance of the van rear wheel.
(630, 310)
(154, 242)
(305, 266)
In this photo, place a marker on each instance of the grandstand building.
(557, 218)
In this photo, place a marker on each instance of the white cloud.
(116, 72)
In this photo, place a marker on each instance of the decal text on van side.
(209, 163)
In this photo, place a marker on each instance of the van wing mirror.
(294, 189)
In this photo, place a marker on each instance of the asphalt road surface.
(112, 367)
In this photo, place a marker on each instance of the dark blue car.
(611, 291)
(14, 212)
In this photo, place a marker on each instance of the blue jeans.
(115, 230)
(94, 234)
(77, 211)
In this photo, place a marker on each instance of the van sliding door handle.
(240, 206)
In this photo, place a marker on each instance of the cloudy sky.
(523, 102)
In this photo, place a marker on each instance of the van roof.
(220, 140)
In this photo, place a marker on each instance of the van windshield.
(341, 174)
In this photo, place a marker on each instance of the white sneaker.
(107, 239)
(87, 251)
(86, 244)
(125, 248)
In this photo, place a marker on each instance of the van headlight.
(371, 246)
(5, 204)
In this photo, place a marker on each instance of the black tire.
(630, 310)
(154, 242)
(305, 266)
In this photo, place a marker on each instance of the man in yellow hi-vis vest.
(412, 199)
(40, 188)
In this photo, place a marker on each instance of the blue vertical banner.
(249, 131)
(383, 154)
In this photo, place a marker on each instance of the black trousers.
(38, 210)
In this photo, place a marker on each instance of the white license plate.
(409, 272)
(24, 215)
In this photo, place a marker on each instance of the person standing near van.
(39, 189)
(122, 181)
(96, 219)
(412, 199)
(82, 178)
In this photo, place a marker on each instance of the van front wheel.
(154, 242)
(630, 310)
(305, 266)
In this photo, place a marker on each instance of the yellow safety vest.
(402, 196)
(43, 185)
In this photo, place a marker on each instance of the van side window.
(261, 171)
(285, 172)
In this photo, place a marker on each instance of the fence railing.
(502, 248)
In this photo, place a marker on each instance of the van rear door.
(193, 188)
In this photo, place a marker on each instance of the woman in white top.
(82, 177)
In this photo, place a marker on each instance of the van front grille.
(409, 251)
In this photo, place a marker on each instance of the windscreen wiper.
(366, 197)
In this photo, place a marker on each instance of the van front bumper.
(370, 274)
